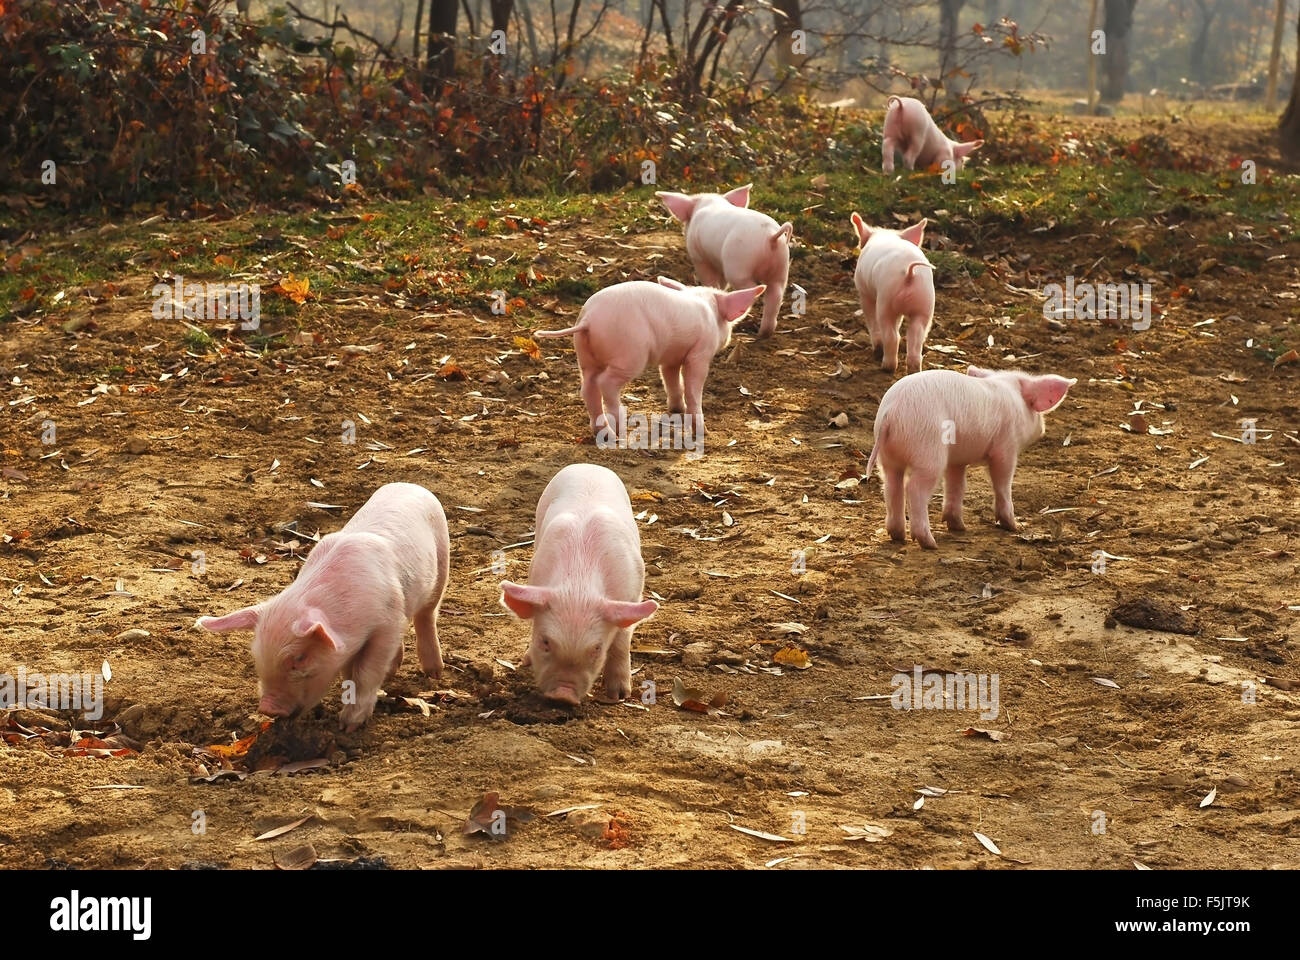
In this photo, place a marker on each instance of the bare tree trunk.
(419, 22)
(1092, 61)
(1289, 127)
(1196, 58)
(501, 13)
(442, 41)
(1118, 27)
(789, 18)
(948, 10)
(1275, 57)
(531, 33)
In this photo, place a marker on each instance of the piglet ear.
(860, 228)
(680, 205)
(671, 284)
(738, 197)
(1044, 394)
(313, 629)
(967, 148)
(245, 619)
(915, 233)
(734, 305)
(523, 601)
(624, 614)
(974, 371)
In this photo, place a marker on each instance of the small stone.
(699, 654)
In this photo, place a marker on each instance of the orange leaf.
(529, 347)
(222, 260)
(295, 290)
(451, 371)
(231, 750)
(792, 657)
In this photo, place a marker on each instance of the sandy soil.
(225, 455)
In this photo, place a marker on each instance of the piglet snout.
(563, 693)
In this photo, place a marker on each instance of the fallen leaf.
(1209, 798)
(422, 705)
(994, 735)
(869, 832)
(295, 290)
(988, 844)
(231, 750)
(281, 831)
(529, 347)
(299, 858)
(489, 817)
(792, 657)
(565, 811)
(691, 699)
(760, 834)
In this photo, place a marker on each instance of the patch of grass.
(197, 339)
(430, 242)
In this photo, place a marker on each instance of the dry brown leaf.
(775, 838)
(281, 831)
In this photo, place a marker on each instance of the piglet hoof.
(877, 352)
(1008, 523)
(926, 539)
(431, 664)
(353, 717)
(617, 688)
(955, 524)
(897, 535)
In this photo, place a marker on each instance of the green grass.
(437, 234)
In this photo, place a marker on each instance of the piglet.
(939, 422)
(910, 128)
(894, 279)
(584, 586)
(625, 328)
(348, 610)
(731, 245)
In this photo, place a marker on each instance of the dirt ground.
(1118, 740)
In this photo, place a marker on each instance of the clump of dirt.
(287, 741)
(1147, 613)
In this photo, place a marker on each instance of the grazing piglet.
(625, 328)
(584, 586)
(348, 609)
(894, 279)
(910, 128)
(731, 245)
(939, 422)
